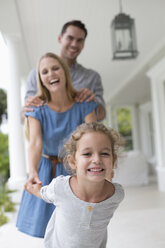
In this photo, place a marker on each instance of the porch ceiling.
(38, 23)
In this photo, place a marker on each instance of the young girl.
(85, 201)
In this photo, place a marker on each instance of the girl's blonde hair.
(70, 146)
(43, 93)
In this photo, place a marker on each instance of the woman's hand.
(33, 179)
(33, 188)
(33, 185)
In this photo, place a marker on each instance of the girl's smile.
(96, 171)
(93, 158)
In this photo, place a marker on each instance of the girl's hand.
(33, 189)
(33, 179)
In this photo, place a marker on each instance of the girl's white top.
(76, 223)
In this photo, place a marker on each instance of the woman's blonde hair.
(43, 93)
(70, 146)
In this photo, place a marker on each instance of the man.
(86, 81)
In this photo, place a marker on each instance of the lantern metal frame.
(123, 37)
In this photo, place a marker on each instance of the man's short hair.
(75, 23)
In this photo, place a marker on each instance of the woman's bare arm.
(34, 150)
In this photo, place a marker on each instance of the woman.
(48, 126)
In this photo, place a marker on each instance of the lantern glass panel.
(123, 40)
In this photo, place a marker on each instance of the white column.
(109, 115)
(16, 144)
(157, 76)
(135, 127)
(145, 127)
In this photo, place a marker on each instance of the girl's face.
(52, 74)
(93, 158)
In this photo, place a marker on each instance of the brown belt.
(55, 160)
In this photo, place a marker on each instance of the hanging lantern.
(123, 37)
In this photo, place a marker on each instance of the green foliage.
(6, 205)
(4, 156)
(124, 121)
(3, 105)
(3, 218)
(5, 200)
(125, 126)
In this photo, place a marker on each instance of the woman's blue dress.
(34, 213)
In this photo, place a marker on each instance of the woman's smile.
(54, 81)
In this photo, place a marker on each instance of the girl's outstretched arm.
(33, 189)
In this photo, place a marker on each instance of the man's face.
(72, 42)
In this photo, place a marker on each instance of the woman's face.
(52, 74)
